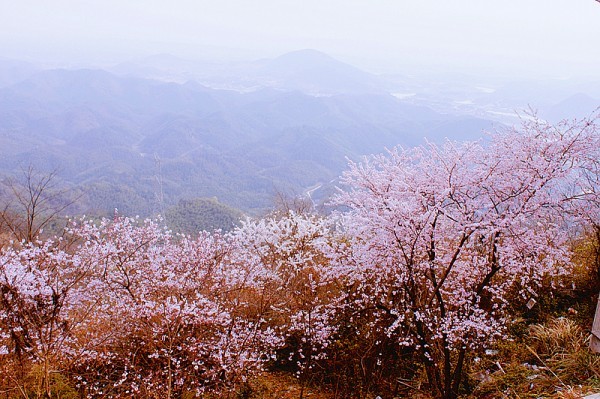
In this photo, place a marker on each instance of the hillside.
(118, 138)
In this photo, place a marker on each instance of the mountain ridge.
(117, 136)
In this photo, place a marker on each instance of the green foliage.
(201, 214)
(101, 198)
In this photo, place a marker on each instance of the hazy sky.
(540, 36)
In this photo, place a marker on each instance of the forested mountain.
(122, 140)
(202, 214)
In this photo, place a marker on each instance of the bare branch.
(36, 202)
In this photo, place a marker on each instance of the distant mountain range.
(133, 139)
(308, 71)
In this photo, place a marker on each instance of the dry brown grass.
(551, 361)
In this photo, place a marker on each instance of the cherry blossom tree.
(41, 309)
(126, 310)
(284, 262)
(442, 238)
(165, 326)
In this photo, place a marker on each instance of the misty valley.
(139, 137)
(296, 227)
